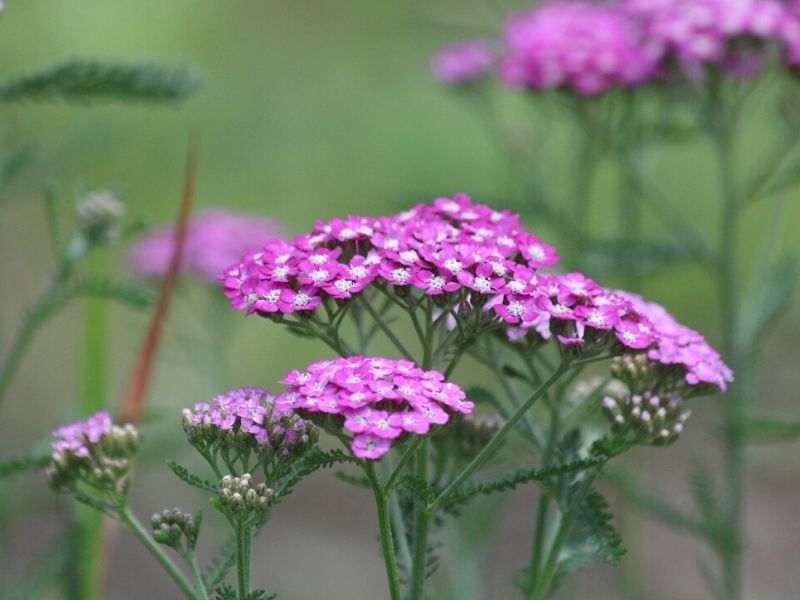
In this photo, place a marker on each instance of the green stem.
(498, 438)
(543, 584)
(129, 520)
(387, 543)
(421, 526)
(735, 402)
(197, 577)
(540, 533)
(242, 558)
(387, 331)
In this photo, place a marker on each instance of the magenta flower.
(582, 46)
(697, 32)
(377, 399)
(214, 240)
(463, 63)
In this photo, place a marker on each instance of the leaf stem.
(387, 543)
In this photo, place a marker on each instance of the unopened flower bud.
(98, 216)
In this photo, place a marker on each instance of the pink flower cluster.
(676, 344)
(379, 399)
(440, 248)
(700, 31)
(579, 311)
(76, 439)
(463, 63)
(214, 240)
(588, 47)
(251, 411)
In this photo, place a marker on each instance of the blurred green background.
(312, 110)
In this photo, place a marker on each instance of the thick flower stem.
(419, 559)
(243, 539)
(133, 525)
(197, 577)
(734, 403)
(387, 542)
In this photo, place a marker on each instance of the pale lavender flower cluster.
(214, 240)
(584, 46)
(252, 412)
(377, 399)
(77, 439)
(462, 63)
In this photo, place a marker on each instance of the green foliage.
(481, 396)
(594, 537)
(641, 257)
(771, 291)
(33, 460)
(190, 478)
(221, 564)
(129, 292)
(228, 593)
(418, 488)
(356, 480)
(769, 429)
(11, 167)
(87, 81)
(313, 460)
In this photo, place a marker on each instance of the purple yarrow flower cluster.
(214, 240)
(440, 248)
(378, 399)
(253, 412)
(701, 31)
(676, 344)
(583, 46)
(77, 439)
(460, 64)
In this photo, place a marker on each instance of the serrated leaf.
(37, 459)
(184, 475)
(761, 429)
(220, 564)
(771, 292)
(131, 293)
(641, 257)
(312, 461)
(356, 480)
(226, 592)
(88, 81)
(418, 487)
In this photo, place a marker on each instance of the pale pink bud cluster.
(463, 63)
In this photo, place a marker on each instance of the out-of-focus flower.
(582, 46)
(463, 63)
(376, 399)
(98, 215)
(214, 240)
(697, 32)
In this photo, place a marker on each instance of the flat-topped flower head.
(376, 400)
(581, 46)
(245, 420)
(214, 240)
(440, 249)
(462, 63)
(697, 32)
(94, 451)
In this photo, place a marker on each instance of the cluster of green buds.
(654, 419)
(637, 371)
(98, 215)
(176, 529)
(94, 452)
(240, 495)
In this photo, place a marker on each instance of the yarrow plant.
(471, 281)
(634, 76)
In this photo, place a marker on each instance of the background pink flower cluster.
(214, 240)
(591, 47)
(250, 411)
(76, 439)
(379, 399)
